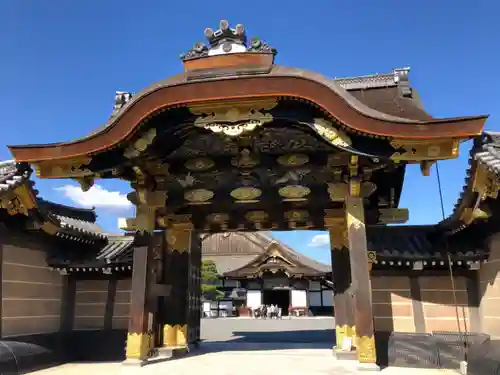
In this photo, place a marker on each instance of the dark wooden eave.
(115, 256)
(403, 246)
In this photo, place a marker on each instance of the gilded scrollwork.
(233, 118)
(334, 136)
(234, 130)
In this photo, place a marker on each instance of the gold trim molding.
(418, 150)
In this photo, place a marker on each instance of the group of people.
(267, 312)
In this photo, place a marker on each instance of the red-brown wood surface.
(229, 60)
(244, 88)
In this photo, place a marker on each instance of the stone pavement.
(230, 346)
(240, 359)
(306, 330)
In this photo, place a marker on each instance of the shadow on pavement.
(272, 341)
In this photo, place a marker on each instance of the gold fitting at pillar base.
(139, 345)
(366, 349)
(175, 335)
(344, 332)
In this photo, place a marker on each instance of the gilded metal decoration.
(337, 191)
(335, 136)
(199, 164)
(198, 195)
(245, 159)
(366, 349)
(218, 218)
(69, 168)
(294, 191)
(138, 345)
(178, 240)
(234, 130)
(257, 216)
(233, 119)
(297, 215)
(293, 160)
(417, 150)
(293, 176)
(246, 193)
(140, 144)
(354, 187)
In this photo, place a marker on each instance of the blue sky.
(61, 62)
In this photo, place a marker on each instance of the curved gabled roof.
(280, 81)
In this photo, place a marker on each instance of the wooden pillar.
(194, 310)
(365, 340)
(140, 338)
(180, 309)
(341, 277)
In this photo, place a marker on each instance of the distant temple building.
(257, 269)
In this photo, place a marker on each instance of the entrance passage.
(278, 297)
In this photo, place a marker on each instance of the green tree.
(210, 276)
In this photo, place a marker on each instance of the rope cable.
(463, 336)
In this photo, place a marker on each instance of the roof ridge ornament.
(402, 80)
(226, 40)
